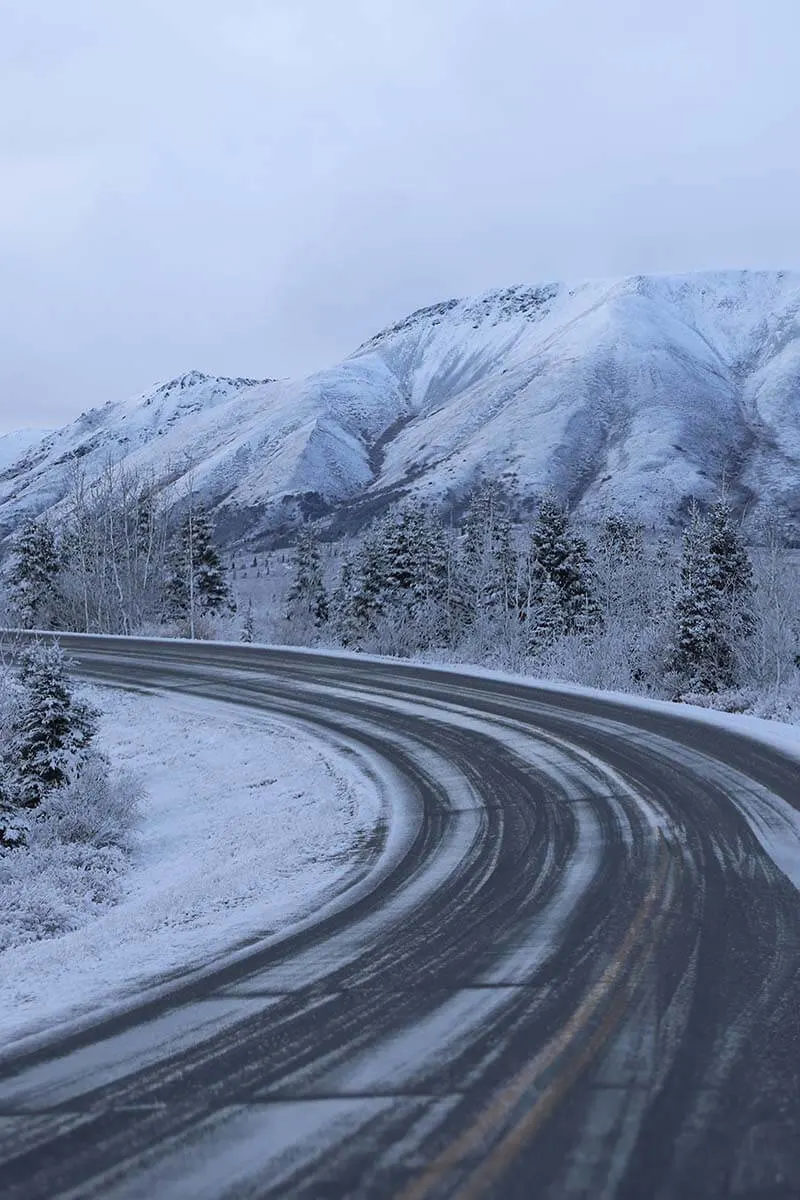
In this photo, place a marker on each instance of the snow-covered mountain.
(15, 444)
(634, 393)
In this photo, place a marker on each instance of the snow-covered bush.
(49, 890)
(203, 629)
(97, 809)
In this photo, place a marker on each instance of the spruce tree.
(34, 576)
(621, 567)
(52, 730)
(489, 557)
(247, 632)
(563, 576)
(307, 599)
(195, 583)
(399, 574)
(699, 656)
(177, 599)
(13, 826)
(349, 614)
(713, 610)
(622, 538)
(412, 553)
(550, 622)
(211, 585)
(13, 822)
(731, 568)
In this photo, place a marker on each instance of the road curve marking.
(621, 976)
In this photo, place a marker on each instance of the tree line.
(118, 556)
(611, 608)
(613, 605)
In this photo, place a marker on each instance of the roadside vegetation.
(67, 821)
(708, 614)
(121, 555)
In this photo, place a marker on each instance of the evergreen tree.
(307, 599)
(700, 657)
(713, 610)
(52, 730)
(349, 613)
(620, 567)
(490, 559)
(399, 574)
(211, 585)
(247, 633)
(195, 582)
(563, 577)
(731, 568)
(412, 553)
(34, 576)
(13, 826)
(550, 623)
(178, 598)
(622, 538)
(13, 823)
(360, 596)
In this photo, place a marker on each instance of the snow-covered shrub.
(71, 865)
(731, 700)
(204, 629)
(67, 823)
(617, 658)
(781, 702)
(97, 809)
(49, 890)
(497, 641)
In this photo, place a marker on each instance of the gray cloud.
(256, 187)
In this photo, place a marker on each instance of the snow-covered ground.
(247, 826)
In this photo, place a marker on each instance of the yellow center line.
(505, 1101)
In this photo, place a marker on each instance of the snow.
(630, 393)
(249, 825)
(15, 445)
(775, 823)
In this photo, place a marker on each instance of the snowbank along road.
(573, 970)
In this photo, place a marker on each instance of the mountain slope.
(15, 444)
(636, 393)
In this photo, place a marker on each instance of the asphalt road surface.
(573, 970)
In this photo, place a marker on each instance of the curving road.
(577, 974)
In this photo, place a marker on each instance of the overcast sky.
(254, 187)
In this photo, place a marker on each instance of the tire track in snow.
(557, 990)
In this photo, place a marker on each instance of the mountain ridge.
(635, 393)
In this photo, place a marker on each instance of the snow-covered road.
(574, 969)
